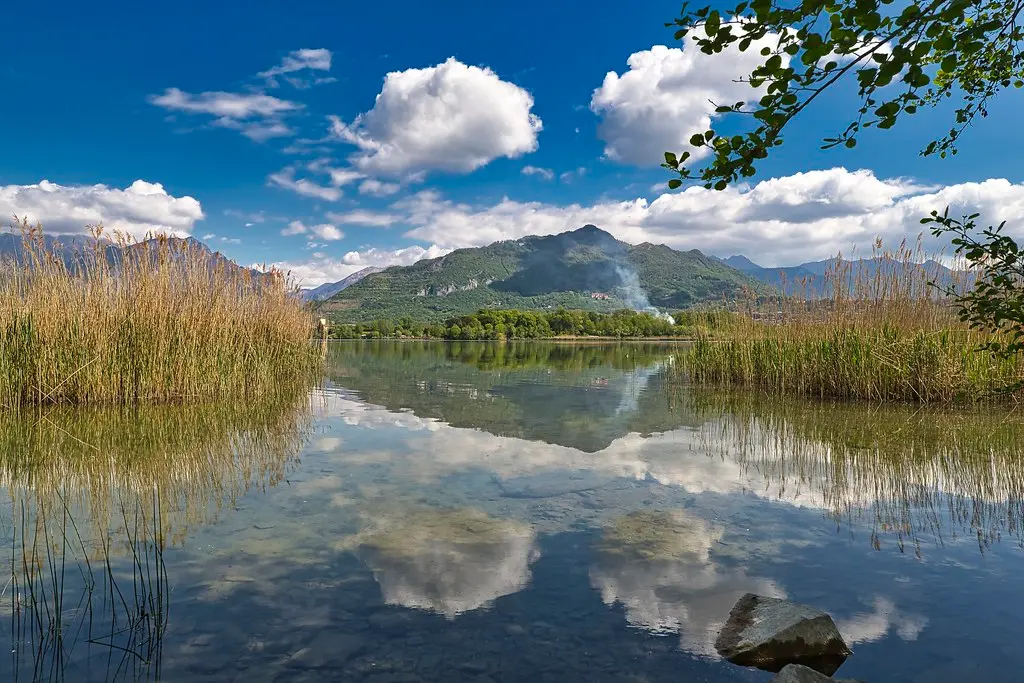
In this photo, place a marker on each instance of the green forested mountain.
(584, 269)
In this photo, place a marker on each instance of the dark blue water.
(528, 513)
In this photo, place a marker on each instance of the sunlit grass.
(878, 334)
(158, 322)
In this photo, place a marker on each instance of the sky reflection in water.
(530, 512)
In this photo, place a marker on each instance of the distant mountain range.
(329, 289)
(817, 278)
(581, 269)
(74, 249)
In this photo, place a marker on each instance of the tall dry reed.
(156, 321)
(873, 329)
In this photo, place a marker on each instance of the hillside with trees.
(585, 269)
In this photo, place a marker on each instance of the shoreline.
(560, 338)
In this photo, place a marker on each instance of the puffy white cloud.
(545, 173)
(778, 221)
(294, 228)
(285, 179)
(383, 258)
(224, 104)
(324, 231)
(363, 217)
(318, 59)
(451, 117)
(136, 210)
(378, 188)
(667, 95)
(327, 232)
(322, 268)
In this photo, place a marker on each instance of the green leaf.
(713, 23)
(675, 184)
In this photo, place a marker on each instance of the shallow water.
(531, 512)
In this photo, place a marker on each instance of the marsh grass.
(874, 329)
(93, 499)
(156, 321)
(916, 474)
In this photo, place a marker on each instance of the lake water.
(488, 513)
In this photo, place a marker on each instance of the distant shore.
(560, 338)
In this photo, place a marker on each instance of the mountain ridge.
(76, 250)
(584, 269)
(814, 278)
(329, 289)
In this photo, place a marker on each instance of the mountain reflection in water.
(512, 512)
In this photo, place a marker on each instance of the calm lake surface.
(488, 513)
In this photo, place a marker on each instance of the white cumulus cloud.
(137, 210)
(451, 117)
(323, 268)
(779, 221)
(667, 95)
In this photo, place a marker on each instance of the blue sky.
(247, 117)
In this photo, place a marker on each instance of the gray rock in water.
(770, 633)
(798, 673)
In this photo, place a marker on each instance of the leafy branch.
(902, 59)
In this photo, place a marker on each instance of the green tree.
(997, 300)
(902, 57)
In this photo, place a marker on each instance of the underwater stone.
(797, 673)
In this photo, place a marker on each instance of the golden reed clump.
(161, 320)
(872, 329)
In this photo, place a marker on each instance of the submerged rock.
(770, 633)
(798, 673)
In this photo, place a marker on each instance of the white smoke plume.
(635, 297)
